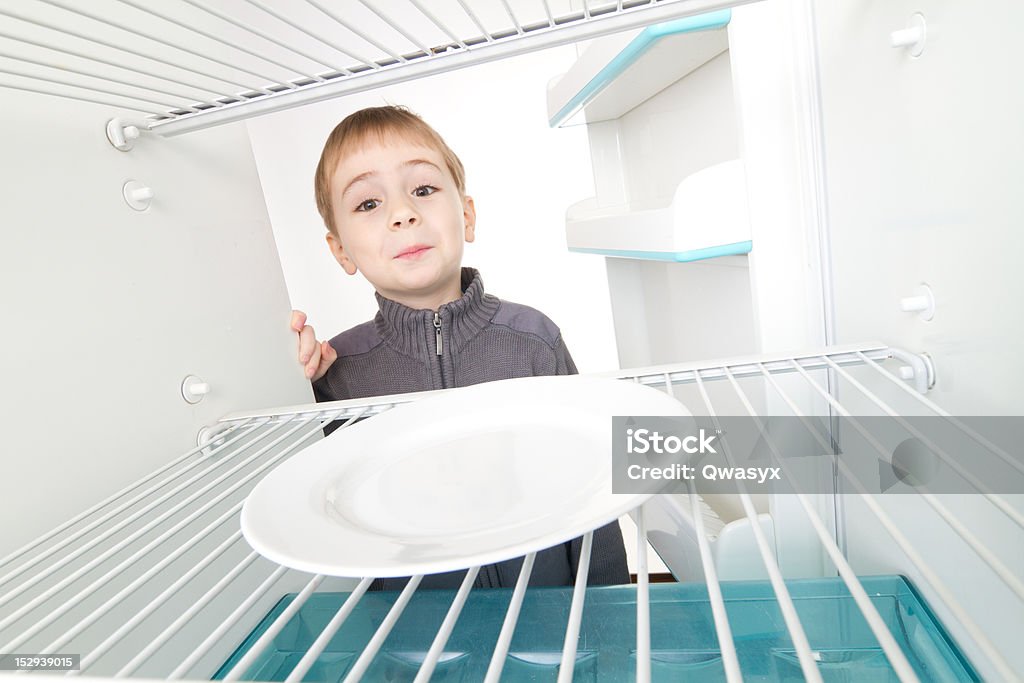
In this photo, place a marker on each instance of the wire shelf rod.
(79, 98)
(995, 499)
(112, 498)
(995, 564)
(680, 374)
(643, 603)
(438, 63)
(94, 74)
(508, 625)
(370, 651)
(74, 601)
(316, 36)
(109, 516)
(579, 594)
(483, 30)
(185, 617)
(221, 631)
(396, 26)
(344, 409)
(253, 653)
(166, 534)
(447, 626)
(726, 644)
(892, 650)
(233, 45)
(683, 373)
(439, 24)
(1006, 457)
(320, 644)
(512, 16)
(132, 69)
(71, 84)
(808, 665)
(368, 62)
(986, 555)
(156, 39)
(547, 11)
(730, 662)
(266, 36)
(950, 601)
(153, 604)
(586, 10)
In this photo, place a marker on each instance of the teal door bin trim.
(734, 249)
(632, 52)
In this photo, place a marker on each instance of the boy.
(392, 195)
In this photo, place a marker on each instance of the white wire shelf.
(157, 582)
(192, 64)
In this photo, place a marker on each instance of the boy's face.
(401, 221)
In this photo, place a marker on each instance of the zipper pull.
(437, 330)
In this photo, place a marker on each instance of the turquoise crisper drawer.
(683, 641)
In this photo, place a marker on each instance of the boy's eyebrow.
(416, 162)
(367, 174)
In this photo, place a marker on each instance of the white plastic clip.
(912, 37)
(193, 389)
(922, 303)
(137, 195)
(919, 369)
(210, 438)
(123, 133)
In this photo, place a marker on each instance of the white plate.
(464, 478)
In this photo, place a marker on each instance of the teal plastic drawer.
(683, 641)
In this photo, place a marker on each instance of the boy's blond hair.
(377, 123)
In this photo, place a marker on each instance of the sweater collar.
(412, 331)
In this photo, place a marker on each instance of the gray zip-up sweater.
(478, 338)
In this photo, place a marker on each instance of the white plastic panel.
(923, 171)
(108, 309)
(714, 294)
(923, 165)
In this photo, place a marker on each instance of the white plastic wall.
(107, 310)
(923, 163)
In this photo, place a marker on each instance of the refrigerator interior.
(868, 171)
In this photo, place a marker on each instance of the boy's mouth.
(414, 251)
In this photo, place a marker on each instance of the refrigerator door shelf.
(706, 218)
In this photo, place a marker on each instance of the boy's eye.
(424, 191)
(368, 205)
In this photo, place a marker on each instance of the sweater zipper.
(437, 330)
(440, 347)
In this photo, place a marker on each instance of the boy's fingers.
(298, 320)
(307, 344)
(314, 362)
(327, 357)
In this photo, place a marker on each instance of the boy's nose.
(403, 216)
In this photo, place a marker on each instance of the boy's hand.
(316, 356)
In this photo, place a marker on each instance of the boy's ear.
(469, 216)
(340, 255)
